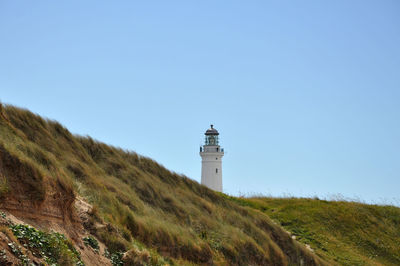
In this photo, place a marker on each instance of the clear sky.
(305, 94)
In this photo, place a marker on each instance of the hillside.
(112, 206)
(349, 233)
(136, 206)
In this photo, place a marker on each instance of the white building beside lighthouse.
(211, 163)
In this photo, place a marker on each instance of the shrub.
(116, 257)
(92, 242)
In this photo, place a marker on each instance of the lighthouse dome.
(211, 131)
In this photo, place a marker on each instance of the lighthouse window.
(216, 170)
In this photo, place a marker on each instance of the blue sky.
(305, 94)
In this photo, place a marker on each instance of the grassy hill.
(145, 207)
(153, 215)
(348, 233)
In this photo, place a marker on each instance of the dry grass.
(3, 185)
(21, 171)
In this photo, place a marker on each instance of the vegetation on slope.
(349, 233)
(150, 212)
(54, 248)
(29, 246)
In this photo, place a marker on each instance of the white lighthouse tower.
(211, 164)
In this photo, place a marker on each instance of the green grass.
(349, 233)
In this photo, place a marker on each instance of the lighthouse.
(211, 163)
